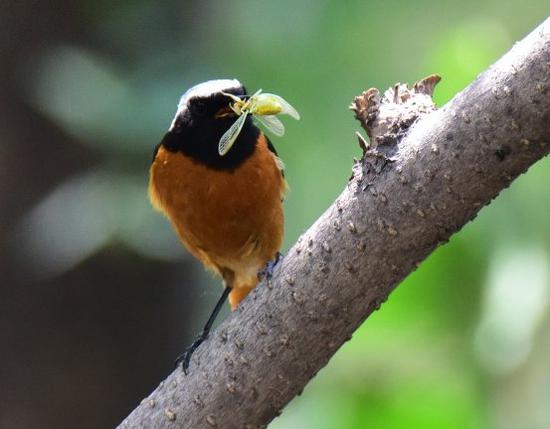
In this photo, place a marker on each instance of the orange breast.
(231, 220)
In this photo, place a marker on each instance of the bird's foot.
(185, 357)
(267, 272)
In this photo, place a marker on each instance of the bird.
(218, 179)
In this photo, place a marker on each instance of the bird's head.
(216, 115)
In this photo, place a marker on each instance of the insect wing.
(229, 137)
(272, 123)
(286, 108)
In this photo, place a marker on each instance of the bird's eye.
(224, 112)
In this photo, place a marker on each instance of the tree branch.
(415, 187)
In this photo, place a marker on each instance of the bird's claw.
(267, 272)
(185, 357)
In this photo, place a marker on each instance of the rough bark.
(422, 179)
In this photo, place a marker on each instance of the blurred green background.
(97, 295)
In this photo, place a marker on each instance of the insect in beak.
(264, 107)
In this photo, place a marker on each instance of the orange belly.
(231, 220)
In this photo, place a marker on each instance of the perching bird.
(218, 179)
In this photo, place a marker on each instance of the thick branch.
(390, 216)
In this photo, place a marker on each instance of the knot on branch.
(387, 118)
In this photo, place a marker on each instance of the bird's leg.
(185, 357)
(267, 272)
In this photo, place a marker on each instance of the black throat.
(201, 144)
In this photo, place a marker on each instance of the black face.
(198, 128)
